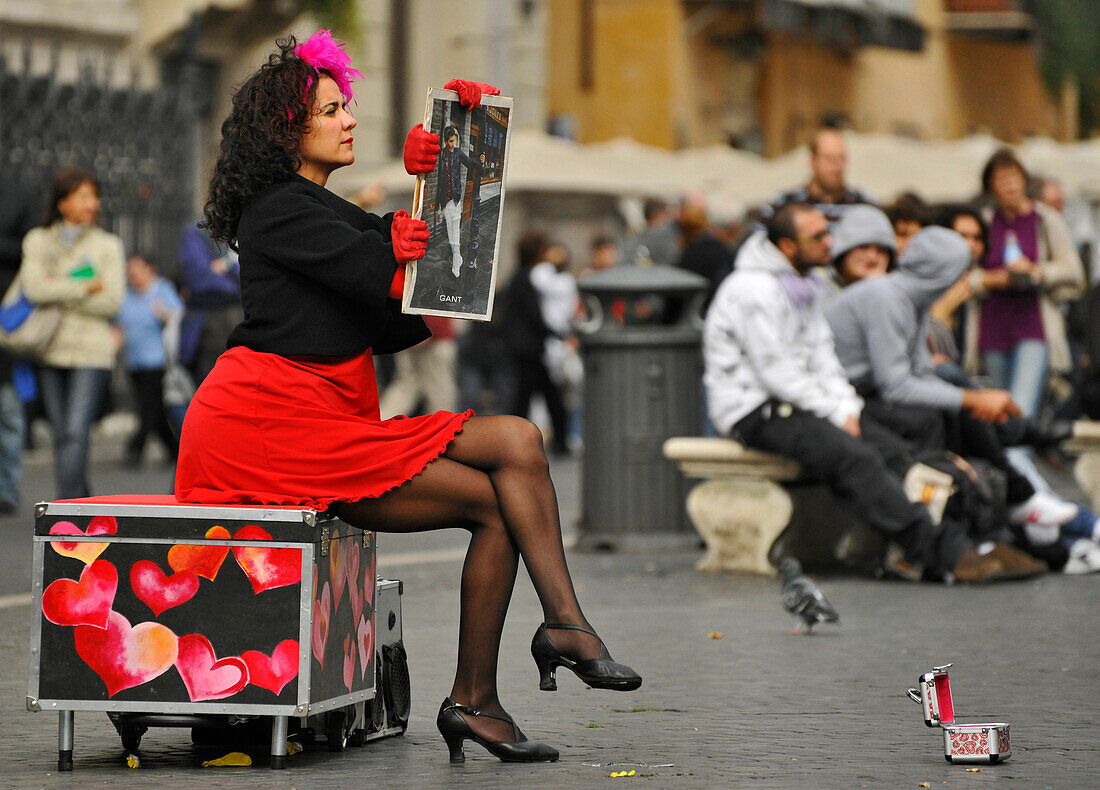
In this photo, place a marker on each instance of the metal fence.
(139, 142)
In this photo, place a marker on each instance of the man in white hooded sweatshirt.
(774, 382)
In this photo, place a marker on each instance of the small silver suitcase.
(962, 743)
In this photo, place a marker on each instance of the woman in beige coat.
(80, 267)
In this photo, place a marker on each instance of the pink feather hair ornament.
(323, 53)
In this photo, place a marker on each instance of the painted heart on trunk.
(274, 672)
(205, 675)
(370, 579)
(125, 657)
(159, 591)
(204, 561)
(364, 637)
(266, 567)
(322, 612)
(336, 569)
(355, 594)
(84, 551)
(349, 662)
(85, 602)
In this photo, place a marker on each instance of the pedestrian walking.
(72, 263)
(151, 303)
(210, 280)
(19, 213)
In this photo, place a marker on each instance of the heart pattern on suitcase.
(159, 591)
(86, 601)
(125, 655)
(204, 674)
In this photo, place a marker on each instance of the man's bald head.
(828, 160)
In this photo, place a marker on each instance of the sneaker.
(1042, 509)
(1084, 557)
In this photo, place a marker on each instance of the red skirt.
(266, 429)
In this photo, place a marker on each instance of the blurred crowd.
(117, 332)
(916, 358)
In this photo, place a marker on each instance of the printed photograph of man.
(451, 191)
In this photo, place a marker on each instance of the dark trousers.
(856, 472)
(977, 439)
(531, 377)
(152, 418)
(933, 430)
(922, 428)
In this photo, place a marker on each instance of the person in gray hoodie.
(863, 245)
(773, 382)
(880, 328)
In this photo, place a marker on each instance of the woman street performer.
(289, 415)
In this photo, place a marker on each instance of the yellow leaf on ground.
(231, 760)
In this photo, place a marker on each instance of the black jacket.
(451, 183)
(524, 330)
(315, 271)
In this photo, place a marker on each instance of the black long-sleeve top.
(315, 271)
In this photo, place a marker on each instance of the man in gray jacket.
(774, 382)
(881, 329)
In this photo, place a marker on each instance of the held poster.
(462, 202)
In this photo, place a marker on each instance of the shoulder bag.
(26, 328)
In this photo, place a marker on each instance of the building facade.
(762, 74)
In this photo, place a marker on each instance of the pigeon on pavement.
(802, 598)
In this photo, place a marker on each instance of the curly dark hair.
(260, 138)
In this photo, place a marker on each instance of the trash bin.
(642, 384)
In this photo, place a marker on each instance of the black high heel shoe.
(599, 673)
(456, 729)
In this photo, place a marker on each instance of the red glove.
(470, 93)
(421, 151)
(397, 284)
(409, 237)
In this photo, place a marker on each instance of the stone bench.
(739, 508)
(748, 498)
(1085, 444)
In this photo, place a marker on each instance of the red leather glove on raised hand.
(409, 237)
(421, 150)
(470, 93)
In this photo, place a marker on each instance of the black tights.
(494, 481)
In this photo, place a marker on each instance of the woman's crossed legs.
(494, 481)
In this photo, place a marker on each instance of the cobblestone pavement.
(752, 709)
